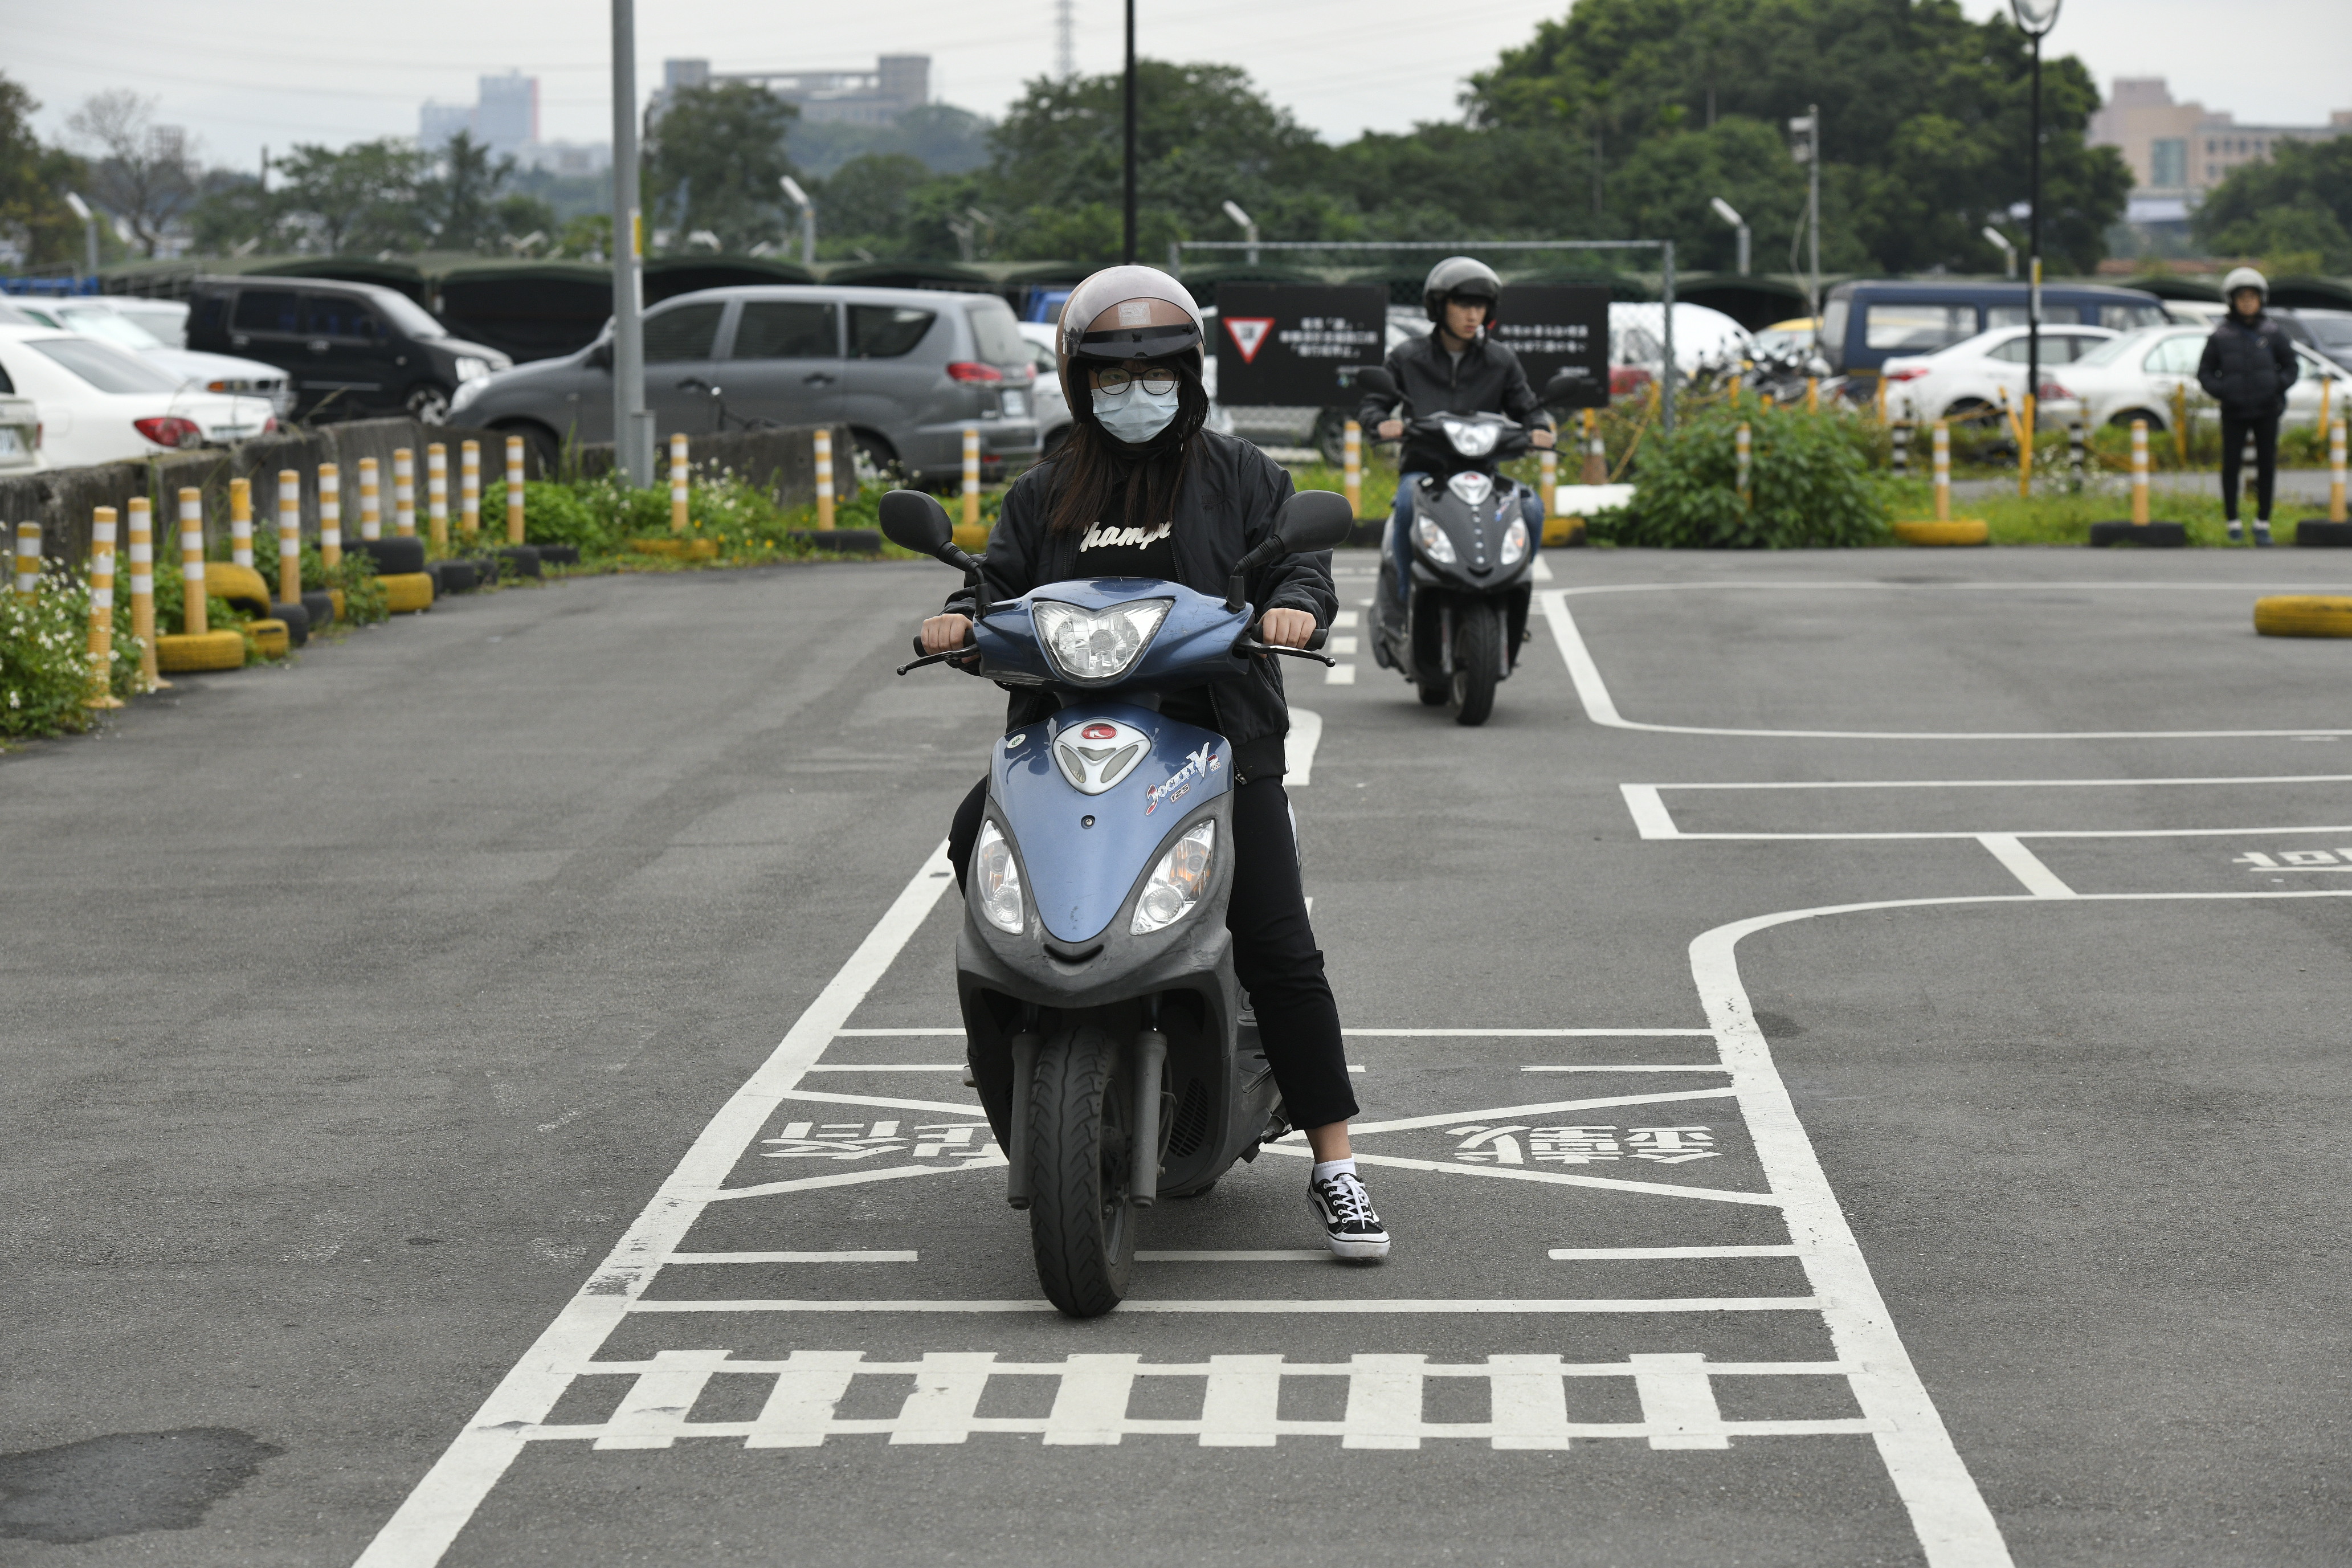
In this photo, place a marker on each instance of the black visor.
(1140, 342)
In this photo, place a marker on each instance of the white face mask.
(1136, 415)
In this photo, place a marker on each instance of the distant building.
(2179, 151)
(897, 83)
(504, 116)
(566, 157)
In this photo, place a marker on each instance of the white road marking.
(1343, 645)
(1347, 621)
(1339, 675)
(1548, 1178)
(994, 1160)
(1524, 1034)
(1602, 707)
(1638, 1067)
(1339, 1306)
(1321, 1255)
(957, 1030)
(1542, 570)
(1654, 821)
(2025, 866)
(1299, 750)
(1605, 1254)
(887, 1067)
(790, 1257)
(947, 1106)
(422, 1529)
(1552, 1108)
(2008, 784)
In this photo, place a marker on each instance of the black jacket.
(1487, 380)
(1227, 505)
(2247, 367)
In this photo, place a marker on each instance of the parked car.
(1863, 324)
(1964, 379)
(1051, 404)
(2329, 331)
(1795, 335)
(351, 349)
(100, 403)
(20, 431)
(2136, 376)
(167, 319)
(906, 369)
(100, 318)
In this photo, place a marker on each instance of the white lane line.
(992, 1160)
(1542, 571)
(430, 1518)
(2025, 866)
(1606, 1254)
(1602, 707)
(1347, 621)
(887, 1067)
(1523, 1034)
(1347, 1306)
(1343, 645)
(1299, 750)
(2008, 784)
(1650, 818)
(1509, 1112)
(790, 1257)
(1638, 1067)
(957, 1030)
(1144, 1255)
(1339, 675)
(1549, 1178)
(948, 1107)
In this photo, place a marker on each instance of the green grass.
(2052, 516)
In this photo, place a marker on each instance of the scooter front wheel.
(1477, 662)
(1081, 1220)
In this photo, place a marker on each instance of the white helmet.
(2245, 278)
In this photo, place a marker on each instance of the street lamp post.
(2034, 19)
(1999, 242)
(1248, 227)
(1723, 210)
(1809, 153)
(633, 428)
(1128, 227)
(800, 198)
(88, 228)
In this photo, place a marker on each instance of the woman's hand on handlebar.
(944, 634)
(1389, 429)
(1542, 437)
(1285, 629)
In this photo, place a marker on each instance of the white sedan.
(100, 404)
(110, 322)
(2138, 376)
(1987, 371)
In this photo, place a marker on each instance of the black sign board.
(1554, 327)
(1288, 342)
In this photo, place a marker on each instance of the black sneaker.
(2237, 531)
(2261, 536)
(1350, 1223)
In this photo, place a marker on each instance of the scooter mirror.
(913, 520)
(1314, 520)
(1564, 384)
(1376, 379)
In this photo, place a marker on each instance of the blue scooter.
(1105, 1029)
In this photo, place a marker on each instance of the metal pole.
(633, 446)
(1666, 397)
(1743, 250)
(2033, 279)
(1128, 250)
(808, 235)
(1813, 208)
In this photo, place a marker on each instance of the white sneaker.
(1351, 1224)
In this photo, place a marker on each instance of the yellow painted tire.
(1564, 533)
(241, 585)
(683, 549)
(2304, 615)
(406, 592)
(179, 654)
(971, 537)
(271, 636)
(1958, 530)
(336, 596)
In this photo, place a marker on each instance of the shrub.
(561, 515)
(45, 674)
(1810, 483)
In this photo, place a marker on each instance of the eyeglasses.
(1114, 382)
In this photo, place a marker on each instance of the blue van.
(1863, 324)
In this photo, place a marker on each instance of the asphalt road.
(376, 1027)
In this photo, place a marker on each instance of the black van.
(351, 349)
(1864, 324)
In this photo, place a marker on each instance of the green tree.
(146, 175)
(34, 218)
(367, 198)
(2299, 202)
(460, 199)
(715, 161)
(867, 199)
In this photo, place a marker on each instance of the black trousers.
(1273, 951)
(2234, 446)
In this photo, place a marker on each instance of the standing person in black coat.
(2247, 367)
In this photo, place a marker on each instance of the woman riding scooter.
(1456, 369)
(1141, 490)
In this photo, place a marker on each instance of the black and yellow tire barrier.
(1955, 530)
(272, 637)
(241, 587)
(192, 653)
(2147, 535)
(678, 549)
(2304, 615)
(2323, 533)
(406, 592)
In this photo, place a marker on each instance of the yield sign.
(1249, 334)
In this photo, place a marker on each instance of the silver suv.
(906, 369)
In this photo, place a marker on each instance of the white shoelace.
(1348, 1199)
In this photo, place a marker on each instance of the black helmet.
(1460, 278)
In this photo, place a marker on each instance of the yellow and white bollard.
(1548, 479)
(972, 475)
(469, 489)
(2336, 472)
(1740, 450)
(2139, 472)
(678, 483)
(29, 559)
(403, 493)
(1943, 470)
(514, 489)
(371, 499)
(825, 479)
(2029, 414)
(1596, 455)
(1351, 455)
(240, 522)
(1812, 395)
(102, 608)
(330, 515)
(289, 536)
(436, 494)
(193, 618)
(142, 593)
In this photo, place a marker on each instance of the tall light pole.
(633, 427)
(2035, 19)
(1809, 153)
(1128, 250)
(88, 228)
(1723, 211)
(1999, 242)
(1248, 226)
(800, 198)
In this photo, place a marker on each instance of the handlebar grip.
(1322, 635)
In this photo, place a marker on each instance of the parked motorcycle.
(1474, 552)
(1105, 1031)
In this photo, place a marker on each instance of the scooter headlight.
(1096, 645)
(1472, 440)
(996, 881)
(1433, 542)
(1514, 541)
(1176, 882)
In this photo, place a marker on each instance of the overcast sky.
(246, 73)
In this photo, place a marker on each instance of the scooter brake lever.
(1250, 644)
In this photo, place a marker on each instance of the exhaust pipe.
(1025, 1083)
(1150, 1055)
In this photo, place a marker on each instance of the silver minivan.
(906, 369)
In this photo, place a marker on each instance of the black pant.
(1273, 951)
(2233, 445)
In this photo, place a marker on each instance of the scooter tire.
(1082, 1224)
(1477, 662)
